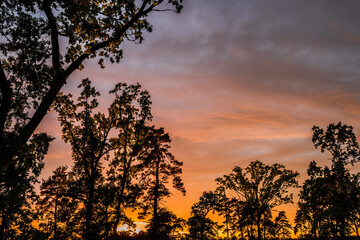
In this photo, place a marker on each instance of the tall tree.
(262, 187)
(314, 208)
(42, 43)
(93, 136)
(200, 226)
(158, 166)
(355, 197)
(331, 212)
(132, 109)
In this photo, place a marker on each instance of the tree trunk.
(55, 219)
(120, 200)
(259, 227)
(156, 198)
(89, 212)
(227, 226)
(342, 229)
(251, 230)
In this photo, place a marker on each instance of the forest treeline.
(120, 162)
(329, 198)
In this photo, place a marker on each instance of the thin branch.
(54, 37)
(165, 10)
(76, 146)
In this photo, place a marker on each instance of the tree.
(312, 216)
(355, 198)
(262, 187)
(132, 108)
(93, 136)
(302, 226)
(18, 176)
(223, 206)
(331, 212)
(282, 226)
(202, 228)
(169, 225)
(34, 66)
(55, 204)
(157, 167)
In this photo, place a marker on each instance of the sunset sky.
(235, 81)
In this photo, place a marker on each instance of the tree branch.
(60, 79)
(54, 36)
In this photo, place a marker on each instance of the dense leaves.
(330, 196)
(260, 188)
(42, 42)
(120, 163)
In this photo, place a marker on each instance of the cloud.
(235, 81)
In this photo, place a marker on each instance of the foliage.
(157, 167)
(169, 225)
(18, 174)
(93, 137)
(329, 198)
(259, 188)
(282, 226)
(202, 227)
(55, 203)
(34, 68)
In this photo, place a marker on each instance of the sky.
(236, 81)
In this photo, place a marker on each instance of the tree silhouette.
(34, 68)
(355, 198)
(88, 135)
(202, 227)
(55, 205)
(93, 136)
(262, 187)
(157, 167)
(313, 203)
(132, 109)
(169, 225)
(328, 199)
(18, 174)
(282, 226)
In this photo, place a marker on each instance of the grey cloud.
(298, 46)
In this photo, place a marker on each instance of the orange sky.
(236, 81)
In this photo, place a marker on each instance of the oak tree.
(262, 187)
